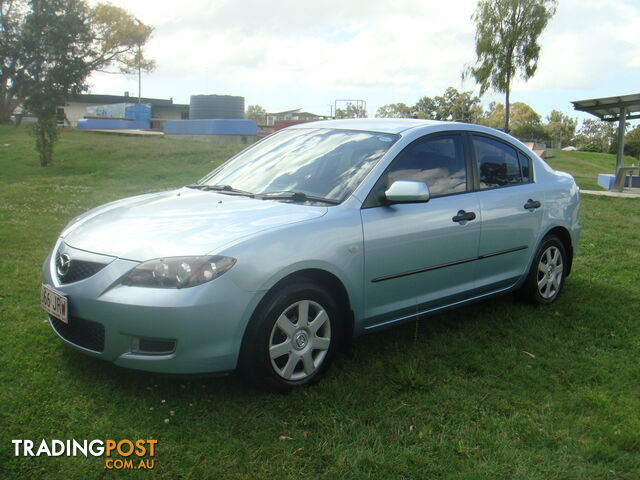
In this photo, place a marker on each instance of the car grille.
(81, 332)
(79, 270)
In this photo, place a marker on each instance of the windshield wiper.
(227, 189)
(298, 197)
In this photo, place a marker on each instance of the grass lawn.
(585, 166)
(498, 390)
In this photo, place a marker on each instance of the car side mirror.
(407, 191)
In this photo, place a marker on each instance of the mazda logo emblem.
(300, 340)
(63, 262)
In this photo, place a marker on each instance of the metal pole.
(139, 85)
(139, 58)
(621, 128)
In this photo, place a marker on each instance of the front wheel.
(547, 273)
(292, 337)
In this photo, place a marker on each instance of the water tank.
(216, 106)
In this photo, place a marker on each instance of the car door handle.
(463, 216)
(531, 204)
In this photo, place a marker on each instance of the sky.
(289, 54)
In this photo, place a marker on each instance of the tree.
(55, 34)
(57, 44)
(451, 106)
(114, 25)
(507, 34)
(12, 13)
(560, 127)
(632, 143)
(257, 113)
(494, 117)
(459, 106)
(526, 123)
(613, 148)
(118, 38)
(395, 110)
(427, 107)
(351, 110)
(596, 136)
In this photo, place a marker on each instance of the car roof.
(383, 125)
(405, 125)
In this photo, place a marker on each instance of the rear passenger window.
(498, 163)
(438, 161)
(524, 167)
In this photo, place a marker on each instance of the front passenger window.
(438, 161)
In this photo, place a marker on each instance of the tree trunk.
(46, 132)
(506, 107)
(139, 58)
(139, 84)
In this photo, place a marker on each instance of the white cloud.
(327, 44)
(386, 51)
(585, 43)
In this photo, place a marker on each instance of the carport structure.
(613, 109)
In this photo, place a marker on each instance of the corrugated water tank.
(216, 106)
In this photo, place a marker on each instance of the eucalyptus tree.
(257, 113)
(507, 33)
(51, 47)
(395, 110)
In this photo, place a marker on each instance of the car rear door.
(419, 256)
(511, 206)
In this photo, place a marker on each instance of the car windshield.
(309, 162)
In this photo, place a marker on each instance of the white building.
(76, 107)
(293, 116)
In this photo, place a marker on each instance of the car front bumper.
(203, 325)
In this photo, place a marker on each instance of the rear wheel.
(547, 273)
(292, 337)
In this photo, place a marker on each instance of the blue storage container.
(137, 111)
(606, 180)
(211, 127)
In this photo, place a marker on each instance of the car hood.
(179, 222)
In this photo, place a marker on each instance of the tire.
(282, 347)
(547, 272)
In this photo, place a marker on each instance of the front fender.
(332, 243)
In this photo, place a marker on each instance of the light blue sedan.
(318, 233)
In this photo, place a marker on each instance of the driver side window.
(438, 161)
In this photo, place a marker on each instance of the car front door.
(419, 256)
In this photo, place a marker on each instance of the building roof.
(309, 114)
(608, 108)
(285, 112)
(109, 99)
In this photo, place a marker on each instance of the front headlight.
(178, 272)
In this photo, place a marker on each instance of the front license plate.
(54, 303)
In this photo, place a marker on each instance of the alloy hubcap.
(550, 272)
(300, 340)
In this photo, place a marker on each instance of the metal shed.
(613, 109)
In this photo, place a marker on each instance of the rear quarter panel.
(561, 202)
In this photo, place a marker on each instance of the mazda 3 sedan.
(316, 234)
